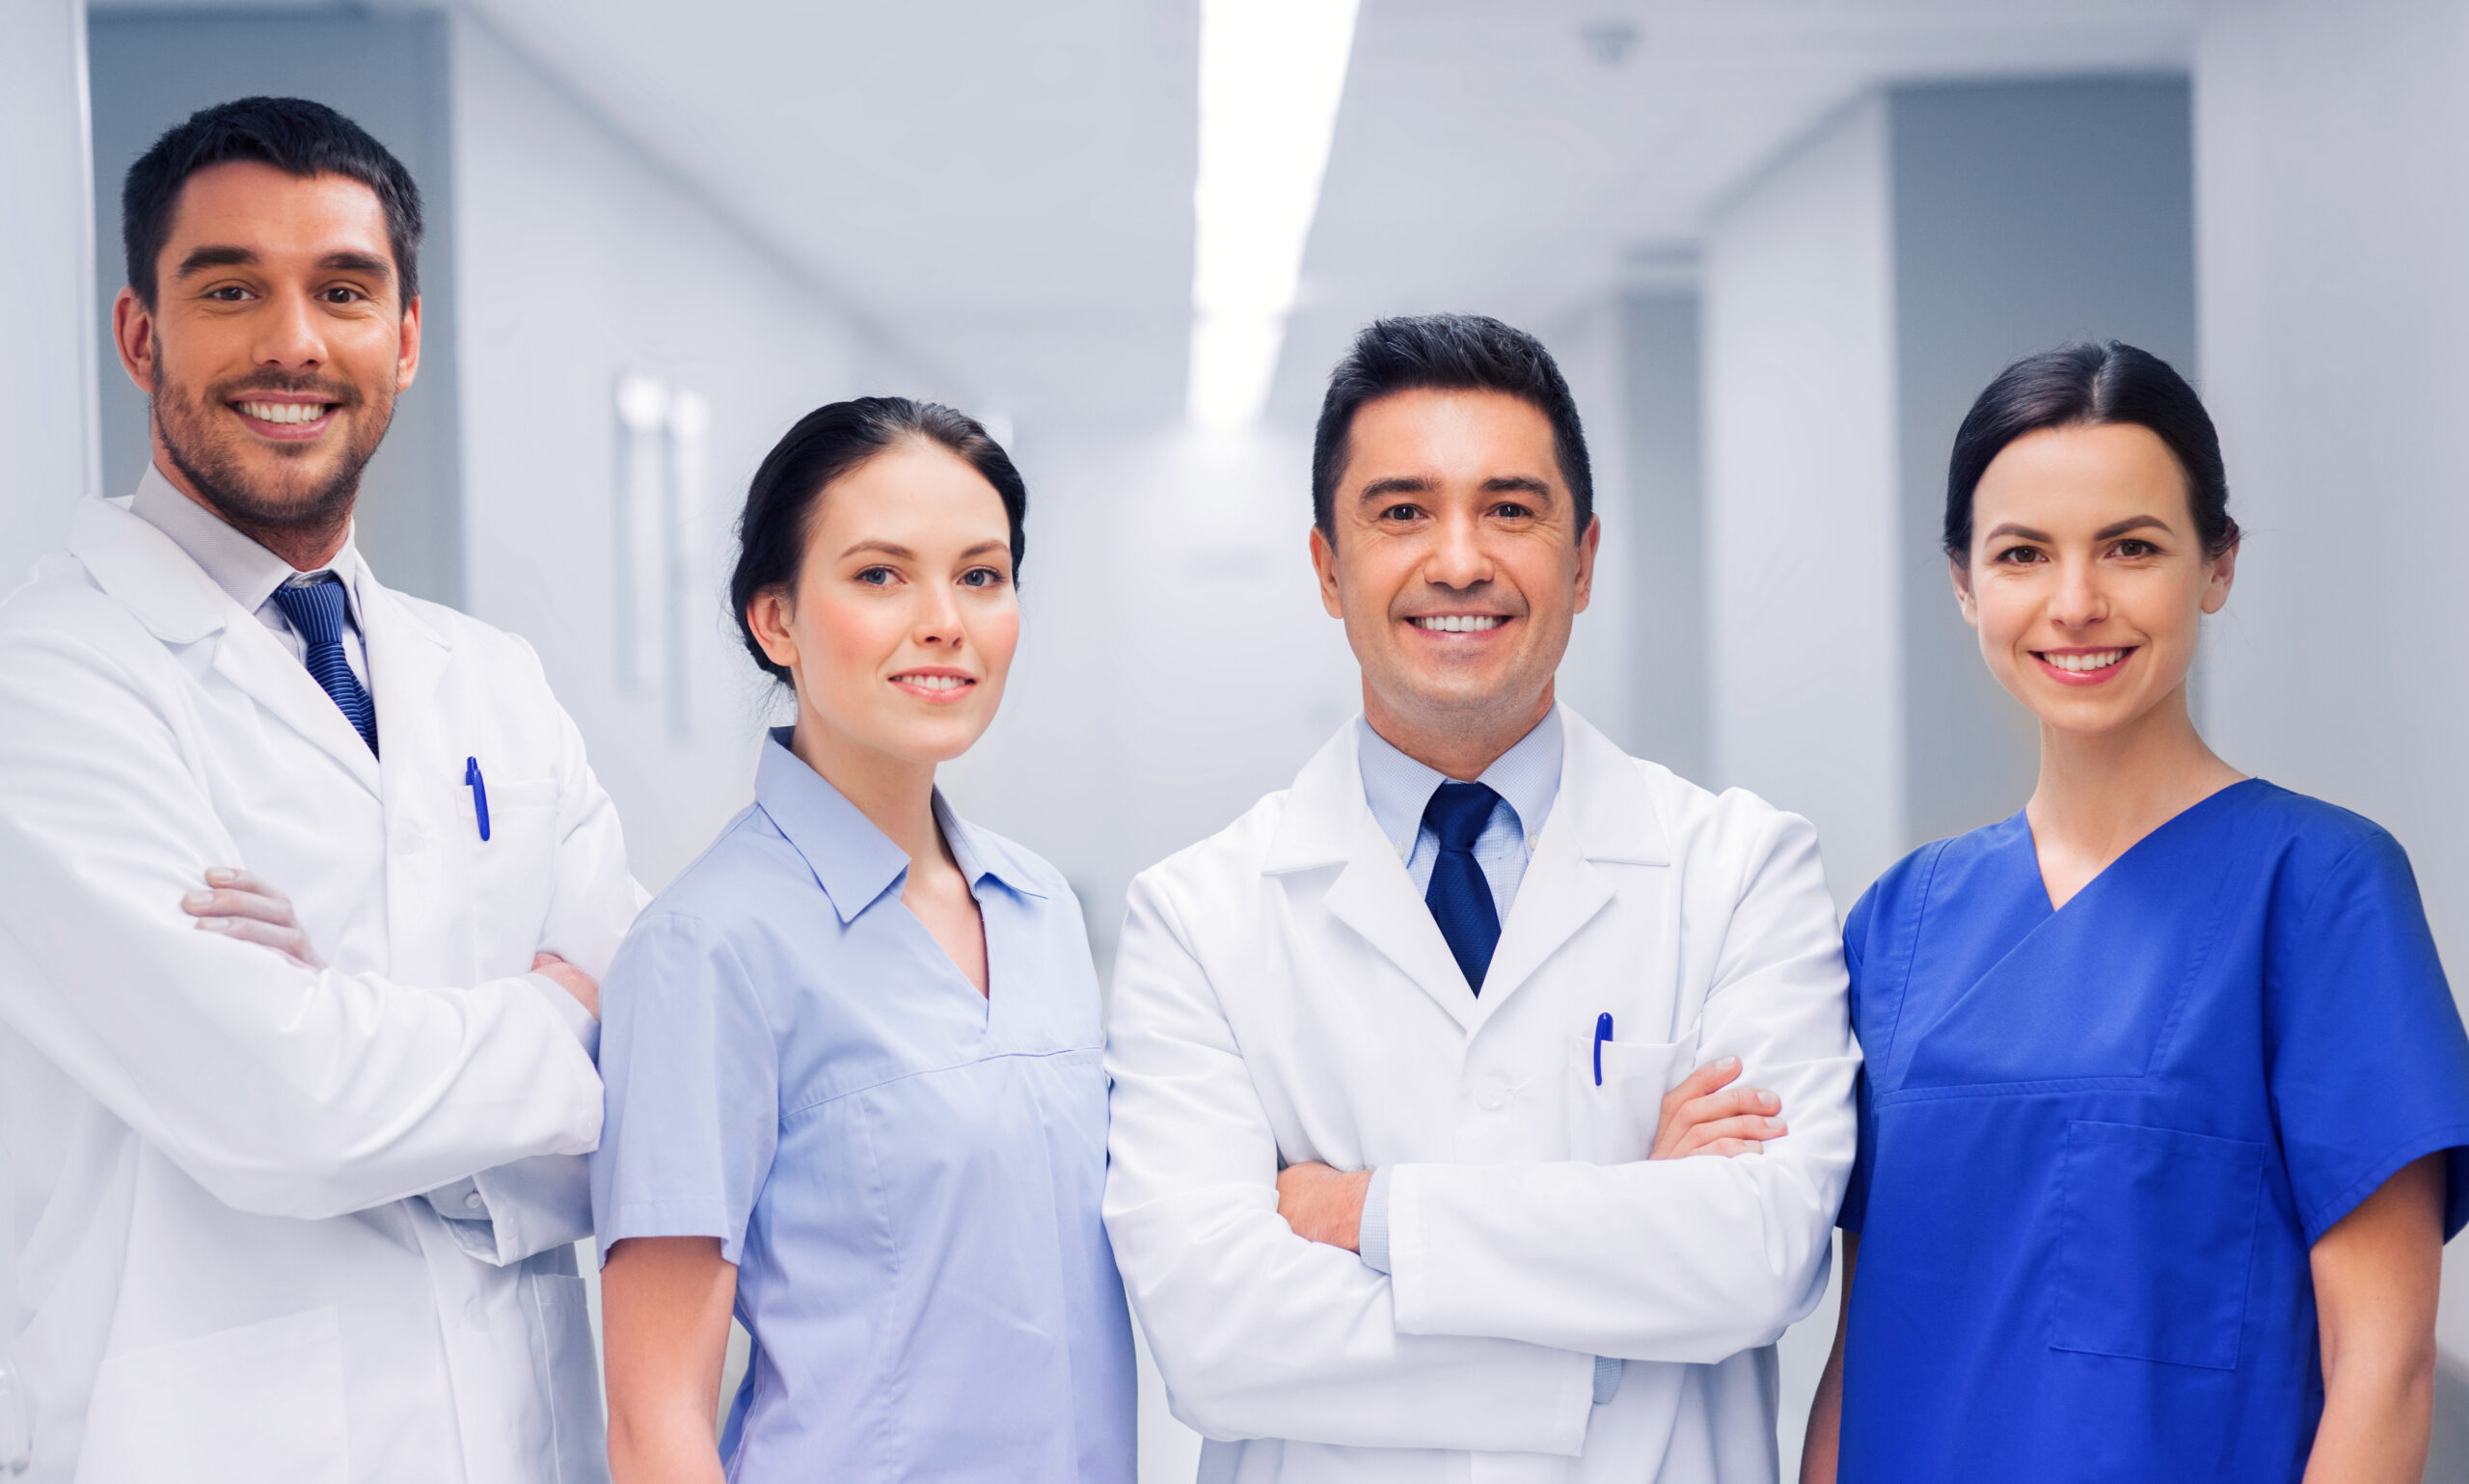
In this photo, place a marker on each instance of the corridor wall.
(46, 222)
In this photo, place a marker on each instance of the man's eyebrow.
(202, 258)
(356, 262)
(1503, 484)
(1394, 484)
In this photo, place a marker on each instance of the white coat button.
(472, 1201)
(476, 1313)
(406, 841)
(1493, 1099)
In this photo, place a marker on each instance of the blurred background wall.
(1778, 248)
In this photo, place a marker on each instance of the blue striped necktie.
(1460, 897)
(316, 611)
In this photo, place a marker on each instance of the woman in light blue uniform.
(2165, 1099)
(852, 1052)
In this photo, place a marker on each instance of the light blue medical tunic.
(2097, 1143)
(906, 1172)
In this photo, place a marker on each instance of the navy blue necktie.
(316, 611)
(1460, 899)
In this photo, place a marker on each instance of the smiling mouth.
(1459, 623)
(2088, 663)
(283, 415)
(936, 684)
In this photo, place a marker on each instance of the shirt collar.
(853, 860)
(238, 566)
(1397, 788)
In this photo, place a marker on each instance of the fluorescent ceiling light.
(1270, 75)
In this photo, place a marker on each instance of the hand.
(1706, 1115)
(240, 905)
(566, 976)
(1322, 1204)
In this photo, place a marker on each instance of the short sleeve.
(1856, 1190)
(693, 1089)
(2368, 1063)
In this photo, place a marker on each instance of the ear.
(133, 336)
(1965, 598)
(2224, 572)
(768, 614)
(1588, 545)
(407, 355)
(1324, 564)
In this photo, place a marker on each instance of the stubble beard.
(222, 478)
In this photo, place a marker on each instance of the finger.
(1730, 1102)
(238, 880)
(282, 940)
(1703, 1081)
(1756, 1126)
(230, 901)
(1727, 1148)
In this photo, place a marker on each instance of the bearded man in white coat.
(291, 1198)
(1482, 1101)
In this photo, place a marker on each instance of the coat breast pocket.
(241, 1406)
(514, 872)
(2156, 1244)
(1613, 1122)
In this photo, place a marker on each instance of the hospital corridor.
(1774, 248)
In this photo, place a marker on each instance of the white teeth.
(932, 682)
(1459, 623)
(2097, 660)
(285, 411)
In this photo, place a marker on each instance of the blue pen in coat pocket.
(480, 787)
(1602, 1033)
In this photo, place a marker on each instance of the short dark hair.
(1448, 353)
(293, 135)
(2086, 384)
(828, 443)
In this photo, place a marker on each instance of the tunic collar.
(852, 860)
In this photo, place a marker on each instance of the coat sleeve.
(535, 1204)
(282, 1090)
(1258, 1332)
(1691, 1260)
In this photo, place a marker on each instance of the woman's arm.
(664, 1308)
(2376, 1272)
(1819, 1446)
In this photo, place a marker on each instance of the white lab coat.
(226, 1262)
(1283, 994)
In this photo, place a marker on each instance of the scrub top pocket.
(2156, 1244)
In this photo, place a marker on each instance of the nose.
(2079, 602)
(939, 617)
(290, 334)
(1458, 558)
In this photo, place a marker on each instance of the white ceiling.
(1007, 187)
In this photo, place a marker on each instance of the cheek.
(843, 638)
(997, 637)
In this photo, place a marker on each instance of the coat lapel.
(146, 571)
(1603, 814)
(1328, 823)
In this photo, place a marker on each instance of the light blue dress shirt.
(907, 1173)
(1528, 779)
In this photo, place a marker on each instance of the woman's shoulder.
(738, 881)
(1914, 878)
(2301, 841)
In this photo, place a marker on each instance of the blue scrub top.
(2097, 1144)
(906, 1172)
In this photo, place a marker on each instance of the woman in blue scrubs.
(2165, 1099)
(854, 1093)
